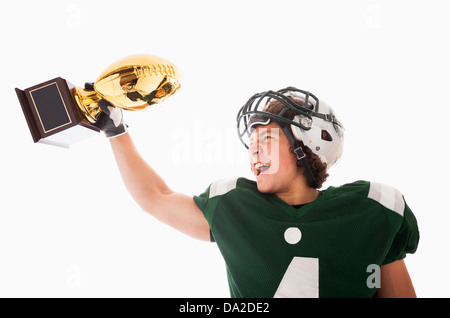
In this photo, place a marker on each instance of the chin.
(262, 189)
(264, 185)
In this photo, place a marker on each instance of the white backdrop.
(68, 227)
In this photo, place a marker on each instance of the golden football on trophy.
(132, 83)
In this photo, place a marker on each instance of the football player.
(281, 236)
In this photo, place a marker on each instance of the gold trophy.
(59, 113)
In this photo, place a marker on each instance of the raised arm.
(145, 185)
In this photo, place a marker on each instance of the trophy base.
(53, 115)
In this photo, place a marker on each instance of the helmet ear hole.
(326, 136)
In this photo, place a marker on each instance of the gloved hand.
(111, 119)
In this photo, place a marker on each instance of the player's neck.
(298, 194)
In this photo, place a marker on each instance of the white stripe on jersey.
(388, 196)
(221, 187)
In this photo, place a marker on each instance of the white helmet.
(325, 137)
(314, 122)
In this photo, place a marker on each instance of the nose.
(255, 149)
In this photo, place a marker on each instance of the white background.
(68, 227)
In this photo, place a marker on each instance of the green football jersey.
(331, 247)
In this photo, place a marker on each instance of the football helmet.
(314, 122)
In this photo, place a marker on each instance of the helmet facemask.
(254, 113)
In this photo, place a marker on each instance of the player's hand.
(111, 119)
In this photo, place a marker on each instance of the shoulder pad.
(387, 196)
(222, 187)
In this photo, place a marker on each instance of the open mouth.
(261, 167)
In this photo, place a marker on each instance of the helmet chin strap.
(301, 156)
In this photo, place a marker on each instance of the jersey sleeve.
(202, 202)
(403, 235)
(208, 200)
(406, 239)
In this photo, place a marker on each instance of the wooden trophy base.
(52, 114)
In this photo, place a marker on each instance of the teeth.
(259, 165)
